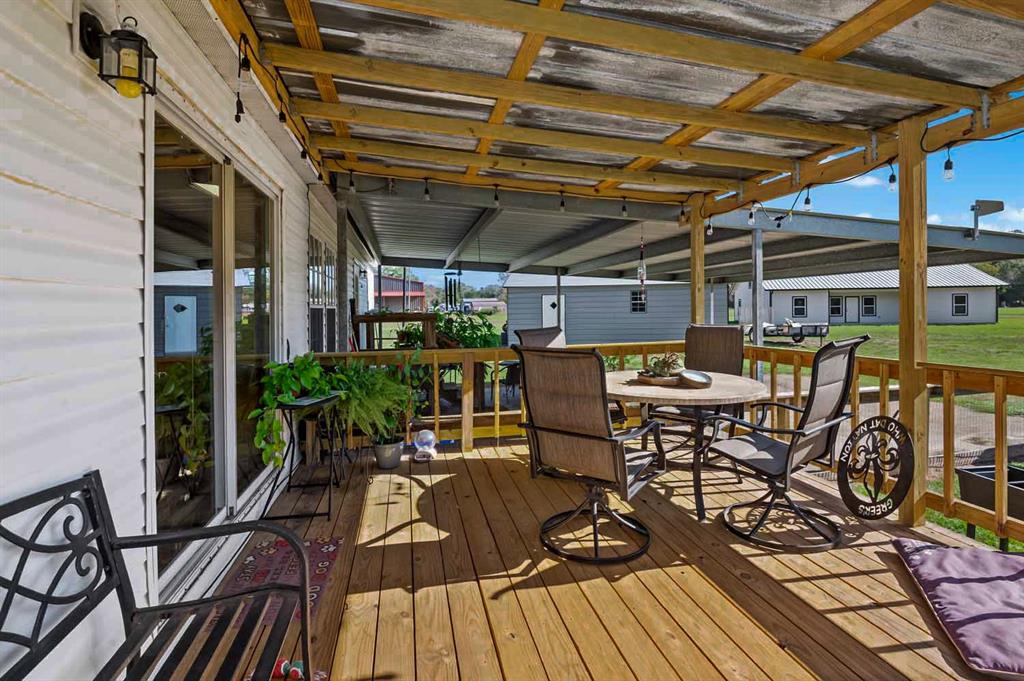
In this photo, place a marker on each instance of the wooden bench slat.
(177, 654)
(142, 668)
(246, 631)
(273, 645)
(226, 615)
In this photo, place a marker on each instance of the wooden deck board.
(441, 576)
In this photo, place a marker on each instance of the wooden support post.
(696, 260)
(913, 330)
(468, 366)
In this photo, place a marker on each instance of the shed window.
(638, 301)
(799, 306)
(869, 306)
(835, 306)
(959, 304)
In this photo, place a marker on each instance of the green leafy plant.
(188, 383)
(664, 365)
(376, 400)
(455, 329)
(283, 383)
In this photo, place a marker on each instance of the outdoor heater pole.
(757, 288)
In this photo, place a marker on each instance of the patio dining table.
(725, 390)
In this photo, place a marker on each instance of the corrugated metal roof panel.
(939, 276)
(547, 280)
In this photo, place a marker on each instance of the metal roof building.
(941, 276)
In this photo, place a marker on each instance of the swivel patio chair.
(712, 348)
(571, 438)
(772, 461)
(554, 337)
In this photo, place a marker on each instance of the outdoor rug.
(978, 597)
(272, 560)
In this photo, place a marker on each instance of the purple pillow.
(978, 597)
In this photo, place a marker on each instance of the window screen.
(638, 301)
(959, 304)
(799, 306)
(869, 306)
(835, 306)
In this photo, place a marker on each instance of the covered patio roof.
(529, 232)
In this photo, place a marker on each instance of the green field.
(995, 346)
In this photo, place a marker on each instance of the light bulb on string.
(681, 220)
(239, 107)
(426, 189)
(750, 218)
(561, 202)
(807, 200)
(624, 212)
(710, 229)
(892, 179)
(351, 183)
(497, 200)
(641, 268)
(947, 168)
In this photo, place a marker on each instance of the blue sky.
(983, 170)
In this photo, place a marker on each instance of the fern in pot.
(377, 401)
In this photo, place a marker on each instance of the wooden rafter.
(237, 23)
(1009, 115)
(527, 53)
(444, 80)
(384, 170)
(845, 38)
(661, 42)
(304, 21)
(520, 165)
(464, 127)
(1010, 9)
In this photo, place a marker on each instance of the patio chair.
(554, 337)
(708, 348)
(772, 461)
(571, 438)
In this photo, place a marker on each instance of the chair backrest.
(831, 379)
(544, 337)
(56, 546)
(714, 348)
(567, 411)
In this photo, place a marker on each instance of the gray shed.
(600, 310)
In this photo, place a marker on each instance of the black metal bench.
(69, 529)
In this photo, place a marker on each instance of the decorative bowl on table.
(684, 378)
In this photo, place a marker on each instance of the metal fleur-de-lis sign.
(876, 467)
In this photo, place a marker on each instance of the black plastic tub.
(977, 486)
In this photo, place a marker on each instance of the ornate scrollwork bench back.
(57, 565)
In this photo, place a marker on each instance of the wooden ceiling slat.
(661, 42)
(529, 48)
(463, 127)
(1010, 9)
(443, 80)
(516, 164)
(845, 38)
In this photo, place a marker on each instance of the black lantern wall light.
(127, 63)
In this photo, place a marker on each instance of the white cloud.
(864, 215)
(1011, 219)
(934, 219)
(865, 181)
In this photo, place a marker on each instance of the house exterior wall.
(76, 337)
(982, 305)
(601, 314)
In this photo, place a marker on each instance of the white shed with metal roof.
(957, 294)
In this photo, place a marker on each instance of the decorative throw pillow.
(978, 597)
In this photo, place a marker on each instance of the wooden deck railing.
(773, 363)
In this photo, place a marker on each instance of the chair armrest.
(638, 432)
(828, 424)
(718, 419)
(765, 405)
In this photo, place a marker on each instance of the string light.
(624, 212)
(807, 200)
(426, 189)
(239, 108)
(641, 268)
(351, 183)
(892, 178)
(710, 228)
(947, 168)
(750, 217)
(681, 220)
(497, 200)
(561, 202)
(244, 64)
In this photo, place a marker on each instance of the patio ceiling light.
(497, 200)
(351, 183)
(892, 178)
(624, 212)
(426, 189)
(807, 200)
(947, 168)
(127, 63)
(561, 202)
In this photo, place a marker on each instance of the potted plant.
(283, 383)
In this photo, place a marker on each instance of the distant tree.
(1012, 272)
(396, 271)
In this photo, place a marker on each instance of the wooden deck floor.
(441, 576)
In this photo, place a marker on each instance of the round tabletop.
(724, 389)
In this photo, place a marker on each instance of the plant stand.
(326, 425)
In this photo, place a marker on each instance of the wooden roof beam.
(527, 53)
(1010, 9)
(845, 38)
(465, 127)
(304, 21)
(1003, 117)
(520, 165)
(481, 85)
(623, 35)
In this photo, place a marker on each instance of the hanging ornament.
(641, 268)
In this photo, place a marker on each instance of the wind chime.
(641, 268)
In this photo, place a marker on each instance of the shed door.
(550, 312)
(179, 324)
(852, 310)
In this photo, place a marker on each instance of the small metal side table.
(326, 426)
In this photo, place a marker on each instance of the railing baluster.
(948, 439)
(496, 398)
(437, 396)
(774, 396)
(1002, 470)
(883, 389)
(622, 360)
(468, 366)
(643, 351)
(798, 388)
(855, 393)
